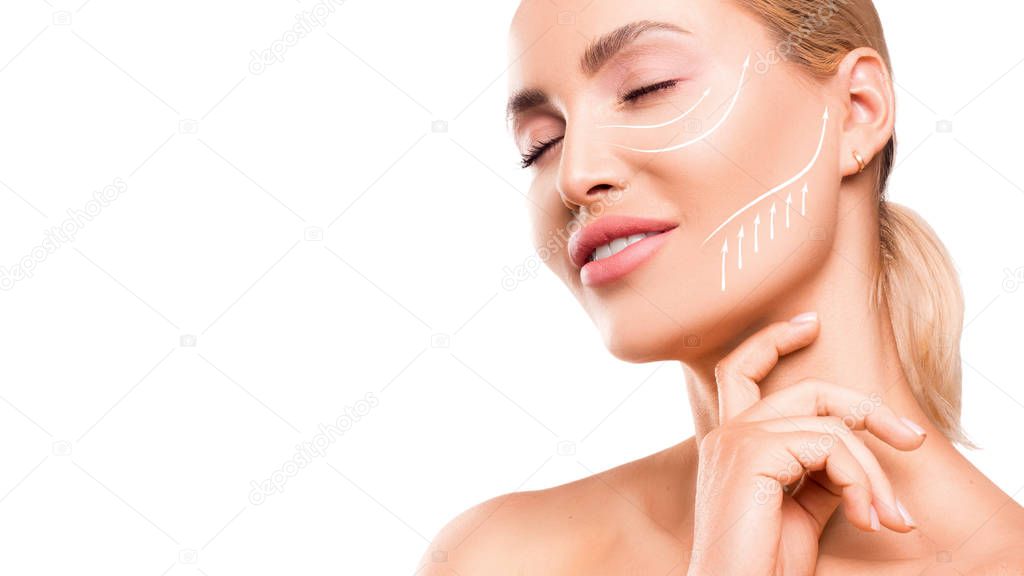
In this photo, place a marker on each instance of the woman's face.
(691, 132)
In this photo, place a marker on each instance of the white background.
(127, 452)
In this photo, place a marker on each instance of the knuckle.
(810, 451)
(869, 404)
(811, 383)
(709, 443)
(836, 425)
(722, 439)
(722, 370)
(743, 443)
(818, 444)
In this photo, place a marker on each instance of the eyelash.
(640, 92)
(538, 149)
(535, 152)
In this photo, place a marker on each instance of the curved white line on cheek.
(663, 124)
(732, 104)
(806, 169)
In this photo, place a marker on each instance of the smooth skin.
(641, 517)
(816, 407)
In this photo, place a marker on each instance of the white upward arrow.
(757, 224)
(789, 202)
(771, 230)
(740, 242)
(780, 187)
(725, 250)
(803, 202)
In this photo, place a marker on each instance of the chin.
(662, 326)
(639, 340)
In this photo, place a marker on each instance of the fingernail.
(913, 426)
(874, 519)
(805, 318)
(907, 518)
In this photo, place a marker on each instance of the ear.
(867, 98)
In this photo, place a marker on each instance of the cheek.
(549, 217)
(774, 227)
(750, 232)
(549, 235)
(774, 150)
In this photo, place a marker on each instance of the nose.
(589, 171)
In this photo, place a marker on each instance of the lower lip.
(615, 267)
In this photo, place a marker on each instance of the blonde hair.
(916, 279)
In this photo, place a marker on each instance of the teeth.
(618, 245)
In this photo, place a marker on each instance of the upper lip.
(602, 231)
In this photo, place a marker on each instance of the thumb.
(737, 375)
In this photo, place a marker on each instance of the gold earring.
(860, 161)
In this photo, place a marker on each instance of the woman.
(702, 172)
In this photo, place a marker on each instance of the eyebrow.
(594, 58)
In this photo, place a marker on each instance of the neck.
(855, 348)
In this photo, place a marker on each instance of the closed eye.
(539, 149)
(641, 92)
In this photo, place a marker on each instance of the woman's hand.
(744, 523)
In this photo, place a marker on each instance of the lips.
(583, 243)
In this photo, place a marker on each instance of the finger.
(818, 497)
(737, 374)
(883, 497)
(841, 467)
(859, 411)
(832, 429)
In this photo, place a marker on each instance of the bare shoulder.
(1007, 562)
(1005, 555)
(481, 539)
(507, 533)
(551, 530)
